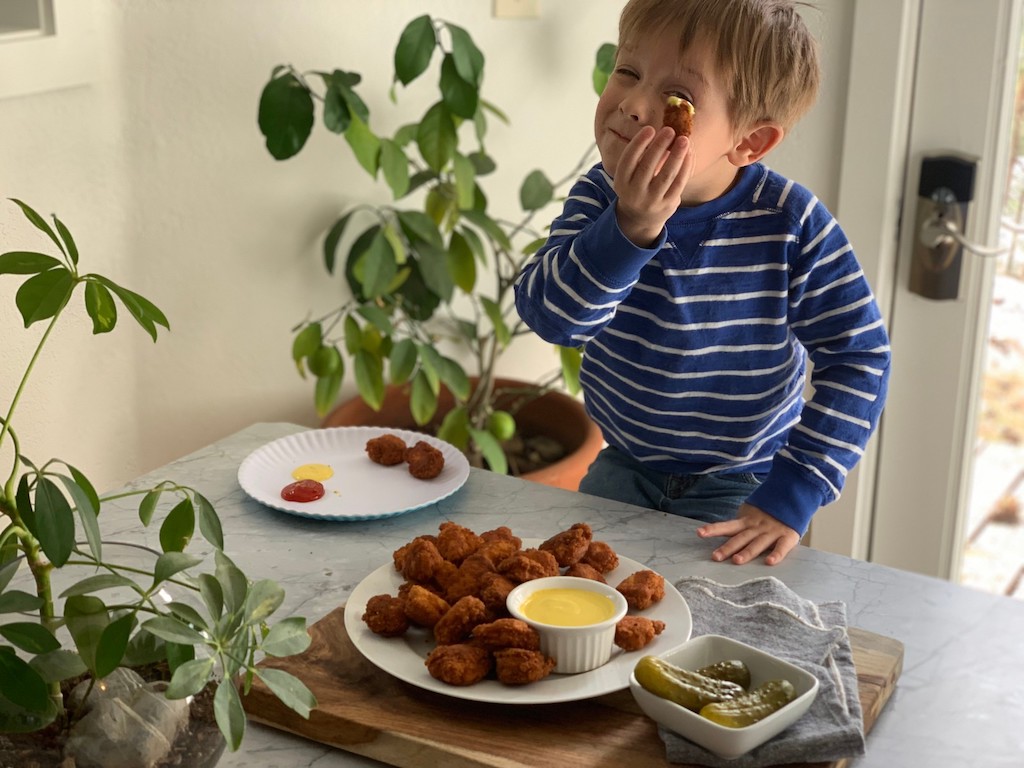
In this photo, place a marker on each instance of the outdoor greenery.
(50, 522)
(430, 280)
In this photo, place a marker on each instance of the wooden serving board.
(364, 710)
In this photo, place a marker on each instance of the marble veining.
(959, 702)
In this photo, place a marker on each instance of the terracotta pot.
(554, 414)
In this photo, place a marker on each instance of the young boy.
(700, 282)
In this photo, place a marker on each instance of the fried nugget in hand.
(455, 626)
(634, 632)
(517, 666)
(506, 633)
(423, 607)
(601, 556)
(459, 664)
(642, 589)
(456, 542)
(424, 460)
(528, 565)
(569, 546)
(385, 616)
(386, 449)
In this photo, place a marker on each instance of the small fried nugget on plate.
(386, 449)
(584, 571)
(423, 607)
(506, 633)
(459, 664)
(455, 626)
(634, 632)
(385, 616)
(600, 555)
(642, 589)
(424, 460)
(456, 542)
(517, 666)
(570, 545)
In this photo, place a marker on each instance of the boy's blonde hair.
(765, 54)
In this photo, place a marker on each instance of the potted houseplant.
(50, 531)
(430, 277)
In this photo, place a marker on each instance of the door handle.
(945, 191)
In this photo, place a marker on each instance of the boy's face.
(646, 74)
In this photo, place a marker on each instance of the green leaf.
(572, 359)
(58, 665)
(434, 270)
(337, 116)
(604, 64)
(285, 115)
(209, 521)
(173, 630)
(289, 689)
(69, 241)
(377, 316)
(536, 192)
(286, 638)
(264, 597)
(369, 370)
(29, 636)
(461, 262)
(16, 601)
(378, 266)
(86, 617)
(332, 239)
(423, 399)
(42, 296)
(38, 222)
(402, 361)
(187, 614)
(148, 504)
(178, 527)
(465, 181)
(87, 504)
(113, 644)
(469, 61)
(420, 228)
(461, 97)
(171, 563)
(326, 392)
(365, 145)
(483, 163)
(430, 366)
(489, 227)
(54, 522)
(213, 595)
(227, 710)
(415, 47)
(455, 378)
(190, 678)
(395, 165)
(493, 312)
(232, 581)
(436, 137)
(306, 342)
(99, 582)
(476, 245)
(491, 450)
(20, 684)
(100, 306)
(179, 654)
(454, 427)
(26, 263)
(146, 314)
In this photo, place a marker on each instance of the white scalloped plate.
(359, 489)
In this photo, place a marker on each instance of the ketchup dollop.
(303, 491)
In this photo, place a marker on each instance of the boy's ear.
(756, 143)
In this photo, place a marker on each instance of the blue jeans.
(709, 498)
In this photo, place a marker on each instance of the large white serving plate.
(359, 489)
(404, 656)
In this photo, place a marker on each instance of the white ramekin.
(574, 649)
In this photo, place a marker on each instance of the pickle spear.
(745, 710)
(682, 686)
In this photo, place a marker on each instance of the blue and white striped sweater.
(696, 349)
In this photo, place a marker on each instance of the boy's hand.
(750, 534)
(649, 182)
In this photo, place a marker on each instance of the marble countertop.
(959, 701)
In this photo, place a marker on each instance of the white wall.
(158, 168)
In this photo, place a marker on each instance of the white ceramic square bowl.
(721, 740)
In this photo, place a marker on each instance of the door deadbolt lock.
(944, 192)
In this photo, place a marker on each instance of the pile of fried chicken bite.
(456, 584)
